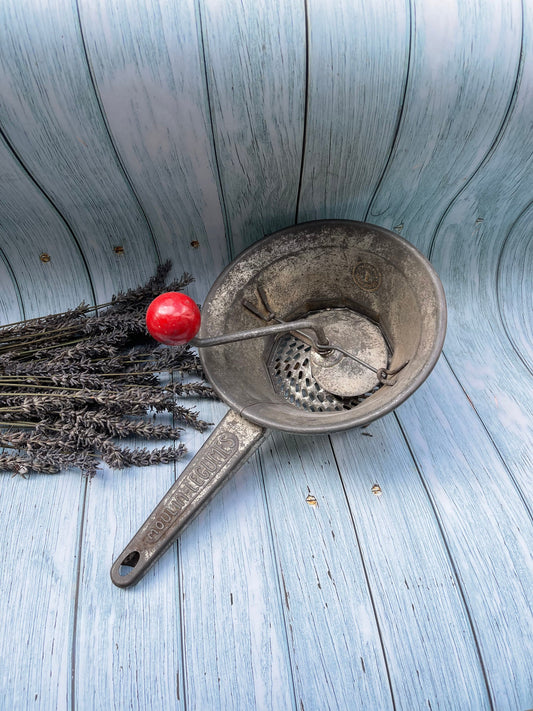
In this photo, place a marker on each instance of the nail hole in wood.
(119, 249)
(376, 490)
(195, 244)
(44, 257)
(311, 500)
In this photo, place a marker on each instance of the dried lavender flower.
(198, 389)
(70, 383)
(23, 465)
(123, 457)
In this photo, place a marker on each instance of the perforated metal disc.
(290, 370)
(337, 372)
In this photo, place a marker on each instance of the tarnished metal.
(386, 376)
(230, 444)
(309, 273)
(309, 268)
(289, 366)
(356, 337)
(357, 351)
(281, 327)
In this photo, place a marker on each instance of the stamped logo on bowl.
(367, 276)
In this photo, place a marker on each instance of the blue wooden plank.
(234, 641)
(458, 92)
(50, 114)
(255, 59)
(467, 251)
(515, 287)
(494, 375)
(147, 64)
(473, 248)
(488, 529)
(426, 633)
(335, 644)
(148, 71)
(358, 62)
(40, 527)
(10, 303)
(135, 656)
(37, 246)
(40, 517)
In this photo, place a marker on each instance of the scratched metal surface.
(384, 568)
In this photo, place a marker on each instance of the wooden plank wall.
(188, 130)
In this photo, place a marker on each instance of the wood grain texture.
(10, 305)
(487, 527)
(463, 67)
(51, 116)
(469, 250)
(154, 125)
(126, 645)
(255, 60)
(335, 645)
(147, 63)
(515, 287)
(31, 227)
(358, 64)
(40, 528)
(425, 627)
(40, 517)
(232, 620)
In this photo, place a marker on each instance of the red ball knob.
(173, 318)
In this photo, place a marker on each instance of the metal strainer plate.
(289, 366)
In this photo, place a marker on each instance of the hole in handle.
(129, 562)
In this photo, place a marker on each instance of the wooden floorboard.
(232, 617)
(114, 665)
(423, 619)
(164, 143)
(334, 638)
(385, 568)
(41, 521)
(487, 527)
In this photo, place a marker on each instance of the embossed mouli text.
(218, 453)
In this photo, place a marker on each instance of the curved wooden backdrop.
(189, 130)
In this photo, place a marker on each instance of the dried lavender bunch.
(71, 383)
(121, 457)
(27, 329)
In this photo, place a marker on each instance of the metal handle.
(227, 448)
(281, 327)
